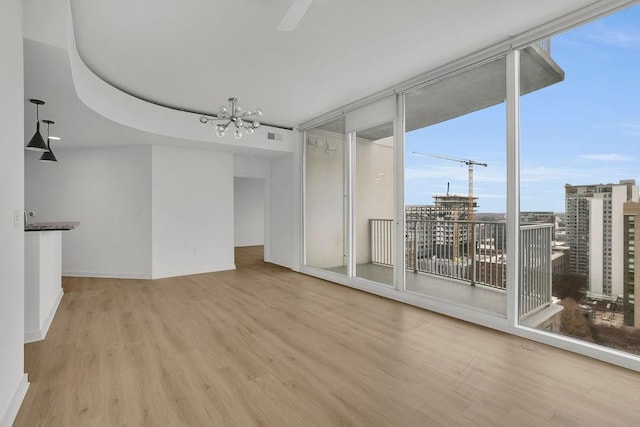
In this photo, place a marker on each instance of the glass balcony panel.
(455, 189)
(578, 155)
(374, 204)
(325, 202)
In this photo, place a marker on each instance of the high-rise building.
(594, 227)
(535, 217)
(631, 250)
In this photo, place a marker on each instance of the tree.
(570, 285)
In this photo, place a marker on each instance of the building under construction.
(438, 230)
(446, 207)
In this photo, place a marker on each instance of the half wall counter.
(43, 276)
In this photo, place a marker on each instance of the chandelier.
(246, 121)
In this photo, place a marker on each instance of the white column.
(513, 185)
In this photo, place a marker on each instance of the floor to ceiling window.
(455, 188)
(350, 194)
(580, 146)
(325, 210)
(374, 203)
(439, 238)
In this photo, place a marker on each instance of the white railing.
(472, 252)
(381, 235)
(545, 45)
(469, 251)
(535, 267)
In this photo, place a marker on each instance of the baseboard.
(40, 334)
(102, 275)
(12, 411)
(147, 276)
(33, 336)
(281, 263)
(46, 323)
(188, 272)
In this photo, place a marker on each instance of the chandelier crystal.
(244, 121)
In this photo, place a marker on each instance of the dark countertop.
(52, 226)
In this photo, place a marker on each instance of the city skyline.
(581, 131)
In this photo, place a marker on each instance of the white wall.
(282, 221)
(192, 211)
(251, 167)
(13, 381)
(109, 191)
(249, 199)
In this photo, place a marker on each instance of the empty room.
(319, 213)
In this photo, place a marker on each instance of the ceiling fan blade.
(294, 15)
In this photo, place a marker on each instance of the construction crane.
(469, 226)
(470, 164)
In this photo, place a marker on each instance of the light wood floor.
(265, 346)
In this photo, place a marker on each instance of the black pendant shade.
(37, 143)
(48, 155)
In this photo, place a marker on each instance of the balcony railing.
(545, 45)
(473, 252)
(535, 266)
(381, 241)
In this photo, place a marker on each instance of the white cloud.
(617, 37)
(455, 173)
(609, 157)
(541, 173)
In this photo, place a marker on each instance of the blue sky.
(583, 130)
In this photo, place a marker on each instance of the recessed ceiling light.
(55, 138)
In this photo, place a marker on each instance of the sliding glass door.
(520, 203)
(374, 202)
(455, 188)
(326, 211)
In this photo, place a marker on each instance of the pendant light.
(37, 143)
(48, 155)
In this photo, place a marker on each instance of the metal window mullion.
(303, 201)
(550, 275)
(513, 183)
(399, 220)
(349, 165)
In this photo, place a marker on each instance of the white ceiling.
(194, 54)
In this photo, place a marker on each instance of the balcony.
(465, 262)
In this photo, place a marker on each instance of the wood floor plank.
(265, 346)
